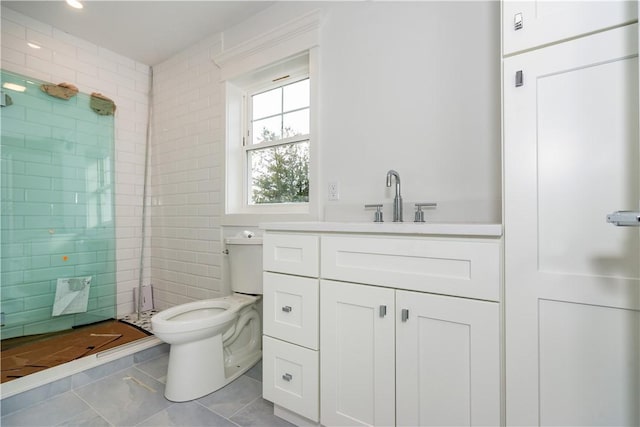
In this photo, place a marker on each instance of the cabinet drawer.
(290, 377)
(291, 309)
(291, 253)
(466, 268)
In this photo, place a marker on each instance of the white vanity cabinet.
(406, 328)
(535, 23)
(392, 356)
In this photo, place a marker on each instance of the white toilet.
(215, 341)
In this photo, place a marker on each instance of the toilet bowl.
(214, 341)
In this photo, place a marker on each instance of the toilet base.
(204, 371)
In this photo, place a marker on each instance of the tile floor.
(134, 396)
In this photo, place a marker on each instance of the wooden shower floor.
(26, 355)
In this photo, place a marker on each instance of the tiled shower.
(57, 235)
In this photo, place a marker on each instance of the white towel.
(72, 295)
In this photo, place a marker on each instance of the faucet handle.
(378, 213)
(419, 213)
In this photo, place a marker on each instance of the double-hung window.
(276, 143)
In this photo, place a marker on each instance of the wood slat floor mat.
(25, 355)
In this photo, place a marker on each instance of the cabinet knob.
(287, 309)
(287, 377)
(405, 314)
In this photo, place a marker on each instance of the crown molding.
(285, 40)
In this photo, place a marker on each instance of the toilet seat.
(199, 315)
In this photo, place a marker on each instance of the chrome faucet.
(397, 201)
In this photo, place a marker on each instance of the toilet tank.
(245, 264)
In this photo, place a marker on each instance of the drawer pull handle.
(287, 377)
(405, 314)
(287, 309)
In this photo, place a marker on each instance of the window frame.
(247, 132)
(235, 211)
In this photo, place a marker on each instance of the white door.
(447, 361)
(572, 281)
(532, 23)
(357, 356)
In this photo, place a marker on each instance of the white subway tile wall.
(186, 161)
(65, 58)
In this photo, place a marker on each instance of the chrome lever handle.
(419, 213)
(378, 212)
(624, 218)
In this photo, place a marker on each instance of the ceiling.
(146, 31)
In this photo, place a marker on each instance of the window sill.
(254, 219)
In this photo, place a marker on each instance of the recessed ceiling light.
(33, 45)
(75, 4)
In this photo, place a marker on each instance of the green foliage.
(281, 173)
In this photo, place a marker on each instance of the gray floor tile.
(231, 398)
(156, 368)
(186, 414)
(126, 397)
(256, 371)
(259, 414)
(57, 410)
(88, 418)
(37, 395)
(90, 375)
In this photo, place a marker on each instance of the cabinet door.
(447, 361)
(572, 280)
(545, 21)
(357, 363)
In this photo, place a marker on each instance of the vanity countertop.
(405, 228)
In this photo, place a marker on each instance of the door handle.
(624, 218)
(383, 310)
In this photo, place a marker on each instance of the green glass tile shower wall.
(57, 206)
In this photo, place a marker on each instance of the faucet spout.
(397, 200)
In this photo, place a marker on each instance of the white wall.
(64, 58)
(410, 86)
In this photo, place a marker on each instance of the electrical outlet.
(334, 191)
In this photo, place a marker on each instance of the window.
(277, 144)
(270, 146)
(283, 147)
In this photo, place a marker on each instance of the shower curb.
(23, 392)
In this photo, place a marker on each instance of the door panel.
(575, 353)
(581, 135)
(357, 359)
(572, 281)
(447, 361)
